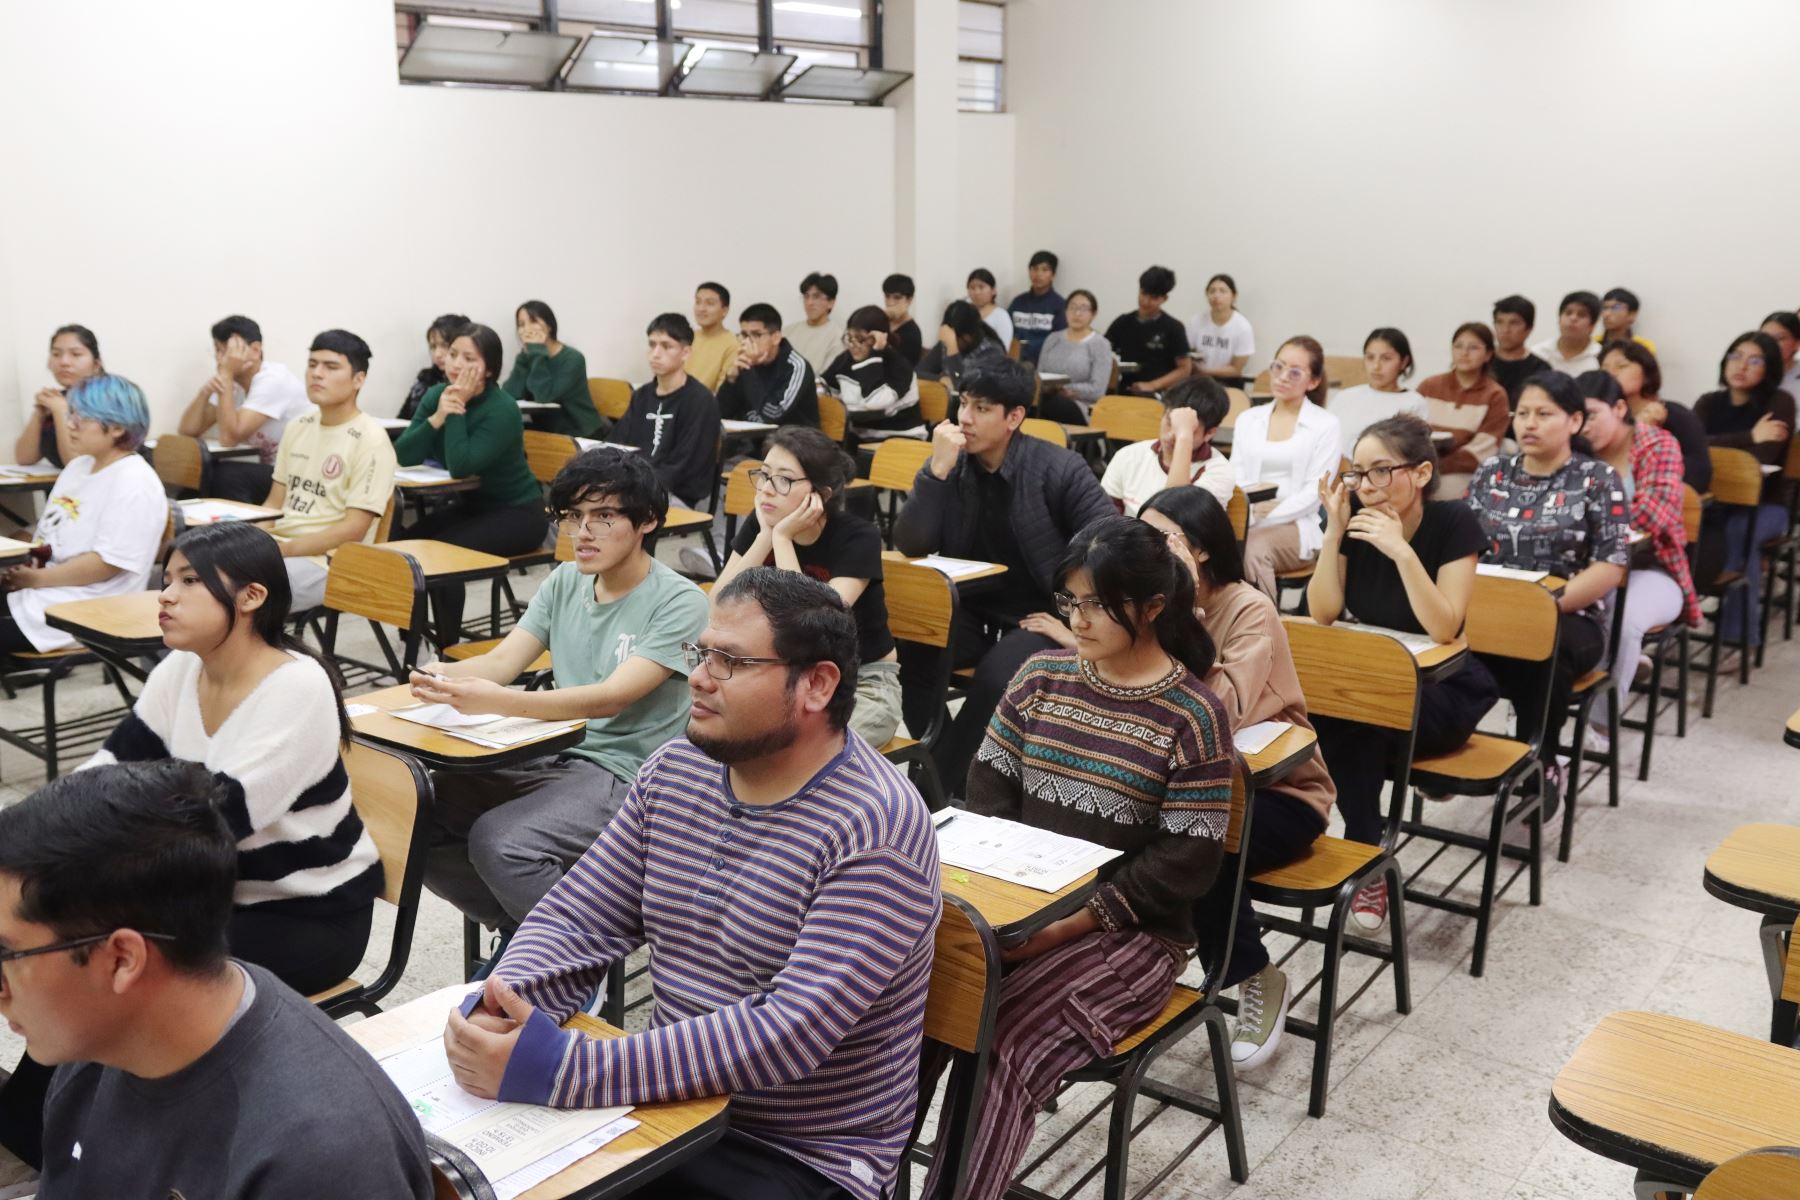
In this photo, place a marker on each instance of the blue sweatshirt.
(1035, 318)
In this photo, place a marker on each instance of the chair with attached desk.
(896, 464)
(184, 465)
(611, 397)
(1757, 867)
(740, 497)
(1508, 618)
(1238, 512)
(934, 401)
(1754, 1175)
(392, 794)
(1127, 419)
(1737, 480)
(1239, 405)
(1659, 641)
(1048, 431)
(833, 419)
(1781, 555)
(386, 588)
(1370, 680)
(1346, 370)
(1602, 681)
(921, 608)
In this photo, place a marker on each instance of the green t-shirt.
(588, 640)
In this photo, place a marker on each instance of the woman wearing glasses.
(1750, 412)
(876, 386)
(1395, 558)
(803, 525)
(1292, 443)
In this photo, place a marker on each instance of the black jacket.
(782, 391)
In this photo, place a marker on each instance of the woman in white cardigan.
(1291, 443)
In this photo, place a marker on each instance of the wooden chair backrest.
(1790, 978)
(611, 397)
(1345, 370)
(1260, 386)
(1791, 469)
(565, 547)
(1013, 350)
(548, 453)
(1513, 618)
(1692, 509)
(1358, 676)
(162, 547)
(921, 603)
(934, 401)
(897, 463)
(1737, 476)
(384, 528)
(832, 418)
(740, 493)
(374, 582)
(1048, 431)
(1239, 512)
(1128, 418)
(957, 1004)
(386, 795)
(180, 461)
(1240, 802)
(1754, 1175)
(1240, 404)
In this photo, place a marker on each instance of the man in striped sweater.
(786, 877)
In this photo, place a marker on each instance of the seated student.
(1548, 508)
(1513, 363)
(548, 372)
(1783, 325)
(787, 876)
(1648, 461)
(714, 345)
(1120, 743)
(74, 356)
(334, 473)
(1038, 313)
(179, 1070)
(989, 492)
(1388, 362)
(803, 525)
(1083, 355)
(1750, 412)
(673, 419)
(1396, 558)
(903, 331)
(1150, 338)
(1292, 443)
(472, 425)
(1254, 680)
(1618, 314)
(437, 341)
(1221, 337)
(103, 520)
(1573, 350)
(877, 387)
(1182, 453)
(769, 380)
(964, 343)
(1640, 379)
(1468, 403)
(251, 402)
(981, 287)
(819, 339)
(613, 621)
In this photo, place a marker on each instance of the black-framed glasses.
(7, 956)
(1067, 606)
(719, 664)
(781, 485)
(601, 519)
(1379, 476)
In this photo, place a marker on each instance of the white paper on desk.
(1770, 468)
(441, 716)
(1418, 643)
(209, 512)
(955, 568)
(1020, 853)
(360, 710)
(1499, 572)
(585, 444)
(1254, 739)
(526, 1178)
(46, 467)
(511, 731)
(744, 426)
(422, 475)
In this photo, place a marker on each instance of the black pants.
(996, 653)
(1054, 406)
(1580, 643)
(1284, 826)
(1358, 755)
(737, 1167)
(501, 531)
(243, 480)
(12, 638)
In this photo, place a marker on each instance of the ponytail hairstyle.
(1130, 562)
(85, 336)
(1315, 354)
(822, 461)
(1408, 438)
(231, 555)
(1206, 527)
(1566, 395)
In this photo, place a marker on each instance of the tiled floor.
(1450, 1101)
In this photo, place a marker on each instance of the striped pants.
(1057, 1012)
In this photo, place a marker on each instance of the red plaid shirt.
(1656, 468)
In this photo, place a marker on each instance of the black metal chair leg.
(1231, 1116)
(1397, 936)
(1328, 987)
(1612, 754)
(1490, 874)
(1684, 644)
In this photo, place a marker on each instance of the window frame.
(999, 64)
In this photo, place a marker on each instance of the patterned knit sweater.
(1143, 770)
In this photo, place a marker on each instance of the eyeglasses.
(1067, 606)
(1613, 306)
(859, 339)
(781, 485)
(1746, 360)
(1291, 374)
(73, 944)
(1379, 476)
(719, 664)
(602, 521)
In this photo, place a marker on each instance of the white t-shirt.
(1217, 345)
(1000, 321)
(277, 394)
(1790, 383)
(1359, 407)
(118, 513)
(1587, 360)
(1134, 475)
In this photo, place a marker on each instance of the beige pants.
(1269, 550)
(877, 713)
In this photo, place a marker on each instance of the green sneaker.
(1262, 1015)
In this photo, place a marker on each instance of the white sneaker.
(1261, 1017)
(698, 563)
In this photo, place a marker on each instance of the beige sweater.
(1255, 680)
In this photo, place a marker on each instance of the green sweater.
(488, 440)
(560, 380)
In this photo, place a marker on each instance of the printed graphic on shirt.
(63, 510)
(658, 420)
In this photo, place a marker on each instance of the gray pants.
(504, 838)
(306, 580)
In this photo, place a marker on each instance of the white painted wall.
(986, 203)
(1407, 162)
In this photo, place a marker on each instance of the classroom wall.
(1407, 162)
(986, 204)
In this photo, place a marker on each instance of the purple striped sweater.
(790, 956)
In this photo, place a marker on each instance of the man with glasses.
(769, 380)
(179, 1071)
(787, 875)
(613, 621)
(1618, 319)
(673, 420)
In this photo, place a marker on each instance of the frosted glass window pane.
(447, 53)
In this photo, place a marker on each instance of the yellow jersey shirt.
(712, 355)
(329, 470)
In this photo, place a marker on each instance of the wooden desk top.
(1013, 910)
(1082, 433)
(440, 560)
(681, 520)
(1792, 736)
(463, 483)
(1274, 761)
(256, 514)
(661, 1127)
(1757, 867)
(992, 570)
(434, 746)
(1258, 492)
(13, 552)
(28, 483)
(1676, 1097)
(127, 618)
